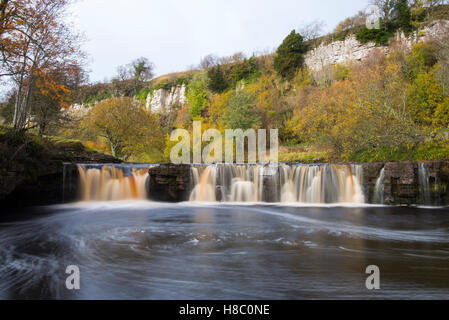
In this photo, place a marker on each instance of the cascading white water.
(112, 183)
(298, 184)
(322, 184)
(424, 183)
(379, 188)
(225, 182)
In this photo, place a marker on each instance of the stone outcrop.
(169, 183)
(37, 179)
(404, 183)
(408, 183)
(163, 100)
(351, 50)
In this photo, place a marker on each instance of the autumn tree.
(35, 42)
(127, 127)
(242, 112)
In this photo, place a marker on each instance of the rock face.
(402, 183)
(351, 50)
(169, 183)
(163, 100)
(408, 183)
(32, 180)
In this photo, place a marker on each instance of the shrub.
(378, 36)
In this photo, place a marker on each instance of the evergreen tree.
(402, 16)
(217, 82)
(290, 55)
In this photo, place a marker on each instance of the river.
(148, 250)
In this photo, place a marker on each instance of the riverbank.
(31, 168)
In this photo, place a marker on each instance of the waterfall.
(227, 183)
(380, 188)
(316, 184)
(112, 182)
(424, 183)
(322, 184)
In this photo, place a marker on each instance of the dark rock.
(403, 185)
(34, 181)
(169, 183)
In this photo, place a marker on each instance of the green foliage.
(171, 84)
(129, 130)
(441, 118)
(217, 82)
(242, 112)
(142, 95)
(290, 55)
(425, 95)
(426, 152)
(21, 141)
(197, 93)
(421, 59)
(96, 98)
(245, 70)
(304, 157)
(7, 110)
(402, 17)
(378, 36)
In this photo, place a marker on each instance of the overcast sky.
(175, 34)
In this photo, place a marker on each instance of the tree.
(35, 41)
(197, 93)
(52, 93)
(127, 127)
(368, 111)
(209, 61)
(136, 74)
(217, 82)
(350, 23)
(290, 55)
(242, 112)
(401, 16)
(386, 8)
(312, 31)
(425, 95)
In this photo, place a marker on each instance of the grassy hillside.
(385, 108)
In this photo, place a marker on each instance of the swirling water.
(146, 250)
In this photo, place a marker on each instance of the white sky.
(175, 34)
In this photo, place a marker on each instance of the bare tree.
(209, 61)
(135, 73)
(312, 31)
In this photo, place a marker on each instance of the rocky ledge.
(169, 183)
(33, 173)
(407, 183)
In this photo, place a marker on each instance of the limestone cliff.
(338, 52)
(351, 50)
(165, 99)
